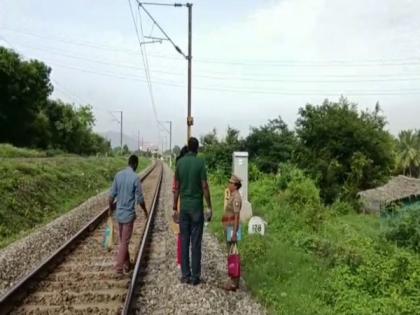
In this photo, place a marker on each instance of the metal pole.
(170, 138)
(189, 118)
(138, 140)
(121, 132)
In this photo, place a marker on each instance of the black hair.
(133, 161)
(183, 151)
(193, 145)
(238, 185)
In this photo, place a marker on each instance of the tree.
(29, 118)
(70, 129)
(176, 150)
(24, 88)
(218, 154)
(343, 149)
(408, 156)
(270, 145)
(126, 150)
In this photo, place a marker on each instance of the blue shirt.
(128, 191)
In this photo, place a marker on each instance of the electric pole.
(170, 139)
(120, 121)
(190, 119)
(121, 132)
(138, 140)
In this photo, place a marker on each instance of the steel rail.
(13, 296)
(128, 303)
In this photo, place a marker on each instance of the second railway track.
(79, 277)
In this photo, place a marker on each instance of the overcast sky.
(252, 60)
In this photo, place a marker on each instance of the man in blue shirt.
(129, 192)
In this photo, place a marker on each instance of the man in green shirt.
(191, 185)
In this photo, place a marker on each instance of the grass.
(285, 279)
(9, 151)
(36, 191)
(345, 266)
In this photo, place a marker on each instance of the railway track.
(79, 277)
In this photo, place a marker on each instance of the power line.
(222, 76)
(281, 63)
(173, 83)
(250, 91)
(255, 91)
(67, 92)
(160, 28)
(145, 64)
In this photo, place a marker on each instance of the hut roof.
(397, 188)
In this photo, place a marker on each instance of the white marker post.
(256, 226)
(240, 169)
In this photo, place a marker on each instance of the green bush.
(288, 172)
(303, 197)
(343, 266)
(35, 191)
(9, 151)
(404, 229)
(386, 283)
(254, 172)
(341, 207)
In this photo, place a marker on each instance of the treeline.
(343, 149)
(29, 118)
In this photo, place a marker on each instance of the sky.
(252, 60)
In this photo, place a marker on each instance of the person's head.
(133, 162)
(234, 183)
(183, 151)
(193, 145)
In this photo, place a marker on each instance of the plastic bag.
(229, 233)
(234, 262)
(109, 234)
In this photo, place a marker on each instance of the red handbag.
(234, 262)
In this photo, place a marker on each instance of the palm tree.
(408, 160)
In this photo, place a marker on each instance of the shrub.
(303, 196)
(288, 172)
(405, 229)
(341, 207)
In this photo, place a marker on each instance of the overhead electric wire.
(255, 91)
(221, 75)
(162, 30)
(415, 61)
(146, 66)
(67, 92)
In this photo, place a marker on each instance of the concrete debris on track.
(161, 291)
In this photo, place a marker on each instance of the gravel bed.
(85, 282)
(161, 291)
(22, 256)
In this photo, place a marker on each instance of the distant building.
(399, 188)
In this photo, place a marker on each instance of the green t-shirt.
(190, 172)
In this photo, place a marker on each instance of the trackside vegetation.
(321, 254)
(34, 191)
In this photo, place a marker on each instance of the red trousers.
(125, 230)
